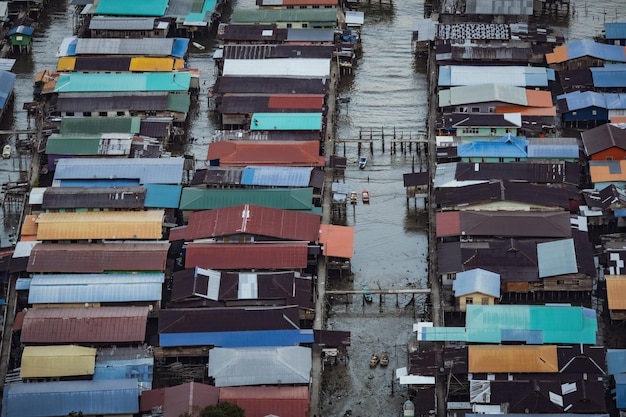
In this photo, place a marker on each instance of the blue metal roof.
(179, 48)
(620, 390)
(616, 361)
(587, 47)
(577, 100)
(556, 258)
(276, 176)
(254, 338)
(286, 121)
(162, 195)
(609, 76)
(146, 170)
(22, 284)
(94, 288)
(505, 147)
(7, 81)
(476, 280)
(21, 29)
(44, 399)
(553, 148)
(615, 30)
(141, 369)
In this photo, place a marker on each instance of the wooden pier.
(405, 142)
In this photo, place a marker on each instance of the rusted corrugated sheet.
(85, 325)
(266, 255)
(253, 220)
(280, 153)
(95, 102)
(98, 257)
(186, 398)
(70, 197)
(262, 401)
(270, 85)
(100, 225)
(296, 101)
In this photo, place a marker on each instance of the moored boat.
(362, 162)
(374, 359)
(365, 196)
(352, 197)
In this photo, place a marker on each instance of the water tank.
(408, 409)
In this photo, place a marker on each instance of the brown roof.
(448, 223)
(515, 224)
(258, 220)
(186, 398)
(616, 291)
(85, 325)
(262, 255)
(151, 398)
(98, 257)
(269, 85)
(296, 101)
(602, 138)
(337, 240)
(268, 400)
(98, 197)
(268, 152)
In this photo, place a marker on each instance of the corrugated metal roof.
(261, 401)
(296, 101)
(556, 258)
(114, 225)
(292, 67)
(210, 198)
(505, 147)
(270, 85)
(616, 291)
(57, 361)
(512, 359)
(141, 63)
(277, 153)
(146, 170)
(163, 195)
(517, 76)
(178, 102)
(7, 81)
(155, 8)
(476, 281)
(98, 257)
(187, 398)
(79, 82)
(286, 121)
(95, 288)
(516, 224)
(310, 35)
(60, 398)
(253, 220)
(553, 148)
(137, 101)
(607, 171)
(96, 125)
(141, 369)
(121, 23)
(615, 30)
(276, 176)
(500, 7)
(602, 138)
(99, 197)
(239, 339)
(586, 47)
(609, 76)
(448, 223)
(337, 240)
(321, 16)
(616, 361)
(260, 366)
(84, 325)
(482, 93)
(110, 144)
(258, 255)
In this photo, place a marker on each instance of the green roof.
(208, 198)
(155, 8)
(286, 121)
(178, 102)
(100, 125)
(326, 17)
(73, 144)
(78, 82)
(520, 323)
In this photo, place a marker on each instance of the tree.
(224, 409)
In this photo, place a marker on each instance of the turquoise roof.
(203, 16)
(286, 121)
(77, 82)
(132, 8)
(279, 198)
(520, 323)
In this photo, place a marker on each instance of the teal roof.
(286, 121)
(77, 82)
(325, 17)
(132, 8)
(520, 323)
(204, 15)
(209, 198)
(96, 125)
(178, 102)
(73, 144)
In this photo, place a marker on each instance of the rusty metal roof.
(270, 85)
(261, 401)
(269, 152)
(100, 197)
(98, 257)
(261, 255)
(85, 325)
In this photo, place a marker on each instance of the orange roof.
(528, 111)
(512, 359)
(618, 119)
(558, 54)
(337, 240)
(296, 101)
(448, 223)
(602, 172)
(538, 98)
(616, 291)
(29, 226)
(268, 152)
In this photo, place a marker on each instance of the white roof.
(286, 67)
(36, 195)
(354, 18)
(23, 249)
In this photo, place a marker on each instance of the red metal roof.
(253, 220)
(186, 398)
(262, 255)
(267, 152)
(448, 223)
(296, 101)
(268, 400)
(151, 398)
(85, 325)
(98, 257)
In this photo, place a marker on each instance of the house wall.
(494, 159)
(613, 153)
(586, 114)
(475, 298)
(128, 34)
(485, 131)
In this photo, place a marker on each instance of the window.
(289, 25)
(609, 158)
(462, 109)
(103, 114)
(120, 113)
(494, 131)
(492, 109)
(475, 109)
(87, 114)
(594, 112)
(573, 113)
(69, 113)
(469, 300)
(305, 25)
(484, 301)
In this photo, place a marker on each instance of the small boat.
(6, 151)
(384, 359)
(352, 197)
(374, 359)
(365, 196)
(362, 162)
(367, 296)
(198, 45)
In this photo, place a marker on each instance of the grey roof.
(310, 35)
(482, 93)
(90, 102)
(515, 75)
(6, 64)
(99, 197)
(271, 85)
(476, 280)
(110, 46)
(426, 29)
(121, 23)
(463, 31)
(553, 148)
(94, 288)
(499, 7)
(260, 366)
(146, 170)
(556, 258)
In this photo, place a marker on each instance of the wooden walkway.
(404, 142)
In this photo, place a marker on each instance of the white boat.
(198, 45)
(6, 151)
(362, 162)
